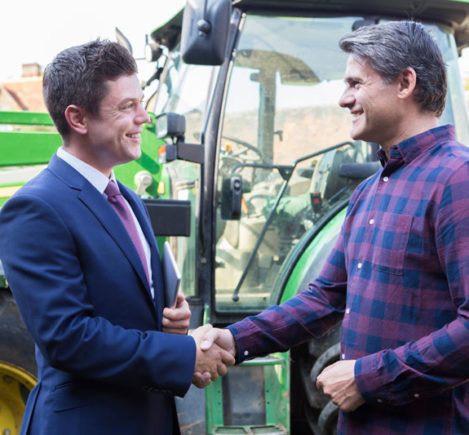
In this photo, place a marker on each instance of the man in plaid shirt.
(399, 272)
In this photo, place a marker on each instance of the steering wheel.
(241, 155)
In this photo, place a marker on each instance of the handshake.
(215, 347)
(215, 351)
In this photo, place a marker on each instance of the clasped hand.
(337, 381)
(215, 351)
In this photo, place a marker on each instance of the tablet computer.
(172, 276)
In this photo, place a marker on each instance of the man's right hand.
(215, 351)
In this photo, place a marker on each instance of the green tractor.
(247, 170)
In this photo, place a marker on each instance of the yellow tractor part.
(15, 385)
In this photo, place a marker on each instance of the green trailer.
(248, 165)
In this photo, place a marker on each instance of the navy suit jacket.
(104, 366)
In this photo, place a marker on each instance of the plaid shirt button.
(385, 179)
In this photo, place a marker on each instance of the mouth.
(356, 115)
(135, 136)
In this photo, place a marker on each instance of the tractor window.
(284, 138)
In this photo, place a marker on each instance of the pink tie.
(118, 203)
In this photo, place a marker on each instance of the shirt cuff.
(367, 378)
(242, 335)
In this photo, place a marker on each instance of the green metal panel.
(27, 148)
(311, 254)
(276, 369)
(214, 409)
(25, 118)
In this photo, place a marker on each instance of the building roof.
(23, 94)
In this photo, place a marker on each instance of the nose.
(346, 100)
(142, 116)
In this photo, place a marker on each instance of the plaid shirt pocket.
(390, 238)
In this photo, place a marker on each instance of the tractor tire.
(318, 413)
(17, 365)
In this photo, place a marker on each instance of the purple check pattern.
(399, 276)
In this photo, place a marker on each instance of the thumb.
(179, 300)
(208, 339)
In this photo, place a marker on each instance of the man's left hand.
(176, 319)
(337, 381)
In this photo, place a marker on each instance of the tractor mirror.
(170, 125)
(204, 36)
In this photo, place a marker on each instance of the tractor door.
(282, 144)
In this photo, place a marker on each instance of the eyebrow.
(130, 99)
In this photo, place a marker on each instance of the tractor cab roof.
(452, 13)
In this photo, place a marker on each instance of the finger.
(319, 384)
(174, 314)
(175, 323)
(227, 357)
(214, 375)
(201, 380)
(221, 369)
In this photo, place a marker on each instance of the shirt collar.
(95, 177)
(410, 148)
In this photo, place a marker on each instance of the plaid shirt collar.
(409, 149)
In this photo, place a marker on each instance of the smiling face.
(114, 135)
(373, 103)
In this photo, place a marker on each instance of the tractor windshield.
(285, 139)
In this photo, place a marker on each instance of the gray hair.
(391, 47)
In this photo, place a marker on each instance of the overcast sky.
(35, 31)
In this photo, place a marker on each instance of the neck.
(412, 127)
(80, 152)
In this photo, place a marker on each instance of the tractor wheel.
(309, 360)
(17, 365)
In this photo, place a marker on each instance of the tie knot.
(111, 190)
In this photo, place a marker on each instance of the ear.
(407, 83)
(77, 119)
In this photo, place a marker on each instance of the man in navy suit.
(110, 356)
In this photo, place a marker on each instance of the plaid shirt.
(399, 275)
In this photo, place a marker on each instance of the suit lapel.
(104, 213)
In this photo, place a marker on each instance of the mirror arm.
(185, 151)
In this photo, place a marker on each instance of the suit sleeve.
(41, 264)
